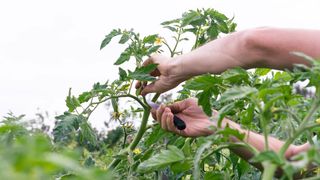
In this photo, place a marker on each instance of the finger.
(150, 88)
(164, 118)
(178, 106)
(138, 85)
(159, 112)
(154, 113)
(170, 124)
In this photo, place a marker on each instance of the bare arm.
(260, 47)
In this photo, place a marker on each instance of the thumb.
(150, 88)
(177, 107)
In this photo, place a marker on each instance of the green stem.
(177, 42)
(268, 171)
(142, 129)
(301, 128)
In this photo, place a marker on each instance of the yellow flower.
(318, 120)
(137, 151)
(158, 41)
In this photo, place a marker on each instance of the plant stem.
(142, 129)
(268, 171)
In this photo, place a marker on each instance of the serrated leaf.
(170, 22)
(150, 39)
(202, 82)
(143, 73)
(204, 100)
(65, 127)
(213, 32)
(235, 75)
(237, 93)
(161, 160)
(187, 18)
(125, 56)
(124, 38)
(153, 49)
(84, 97)
(197, 158)
(72, 102)
(109, 37)
(87, 137)
(122, 74)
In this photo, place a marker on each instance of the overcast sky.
(48, 46)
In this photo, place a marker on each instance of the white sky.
(48, 46)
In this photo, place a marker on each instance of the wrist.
(177, 69)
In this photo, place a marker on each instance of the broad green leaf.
(237, 93)
(268, 156)
(125, 56)
(72, 102)
(143, 73)
(235, 76)
(87, 137)
(109, 37)
(247, 115)
(197, 158)
(224, 111)
(202, 82)
(212, 32)
(161, 160)
(65, 127)
(182, 166)
(204, 100)
(262, 71)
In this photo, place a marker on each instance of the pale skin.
(260, 47)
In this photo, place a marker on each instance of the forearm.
(261, 47)
(258, 142)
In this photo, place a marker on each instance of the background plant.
(261, 100)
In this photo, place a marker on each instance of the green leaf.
(84, 97)
(204, 101)
(170, 22)
(237, 93)
(153, 49)
(228, 132)
(212, 32)
(182, 166)
(122, 74)
(187, 18)
(87, 137)
(202, 82)
(161, 160)
(124, 38)
(224, 111)
(197, 158)
(143, 73)
(262, 71)
(268, 156)
(65, 127)
(150, 39)
(125, 56)
(235, 75)
(247, 115)
(109, 37)
(72, 102)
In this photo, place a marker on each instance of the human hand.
(169, 75)
(197, 122)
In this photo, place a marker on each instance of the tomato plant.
(261, 100)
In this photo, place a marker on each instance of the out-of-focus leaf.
(65, 127)
(204, 100)
(122, 74)
(268, 156)
(87, 137)
(153, 49)
(150, 39)
(124, 38)
(161, 160)
(84, 97)
(237, 93)
(202, 82)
